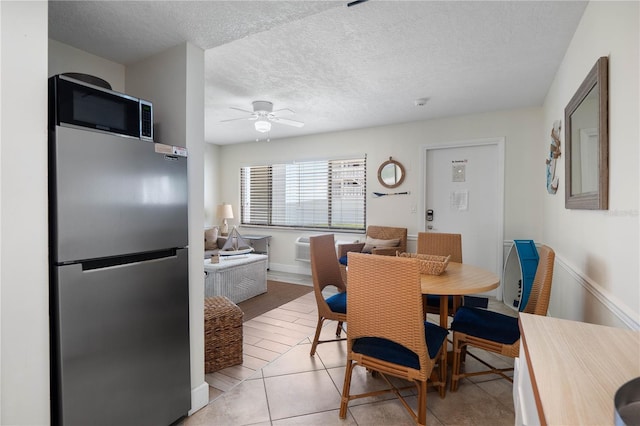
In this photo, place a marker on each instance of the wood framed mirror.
(587, 142)
(391, 173)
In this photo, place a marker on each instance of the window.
(323, 194)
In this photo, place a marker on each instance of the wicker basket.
(429, 264)
(222, 334)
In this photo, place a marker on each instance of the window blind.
(321, 194)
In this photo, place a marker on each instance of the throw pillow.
(371, 243)
(211, 238)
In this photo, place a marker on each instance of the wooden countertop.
(576, 368)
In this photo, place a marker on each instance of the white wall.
(64, 58)
(597, 251)
(161, 79)
(523, 171)
(194, 133)
(24, 288)
(211, 184)
(174, 81)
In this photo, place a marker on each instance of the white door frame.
(499, 143)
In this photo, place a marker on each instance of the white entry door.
(464, 193)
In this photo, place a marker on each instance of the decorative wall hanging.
(586, 142)
(384, 194)
(391, 173)
(554, 153)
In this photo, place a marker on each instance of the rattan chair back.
(385, 301)
(538, 303)
(389, 233)
(325, 271)
(441, 244)
(379, 233)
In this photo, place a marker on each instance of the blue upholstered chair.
(387, 331)
(496, 332)
(325, 272)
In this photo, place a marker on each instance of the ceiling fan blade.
(288, 122)
(243, 110)
(283, 111)
(236, 119)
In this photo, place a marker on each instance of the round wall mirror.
(391, 173)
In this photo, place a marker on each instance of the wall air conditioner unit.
(303, 253)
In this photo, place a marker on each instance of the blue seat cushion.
(344, 259)
(389, 351)
(486, 325)
(338, 302)
(434, 301)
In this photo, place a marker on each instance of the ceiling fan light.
(262, 126)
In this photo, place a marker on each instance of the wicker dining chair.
(325, 272)
(387, 331)
(496, 332)
(441, 244)
(378, 233)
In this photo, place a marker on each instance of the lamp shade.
(225, 211)
(262, 126)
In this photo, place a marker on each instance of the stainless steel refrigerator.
(118, 280)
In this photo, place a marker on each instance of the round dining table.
(458, 279)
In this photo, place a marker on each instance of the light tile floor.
(280, 384)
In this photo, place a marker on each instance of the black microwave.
(82, 104)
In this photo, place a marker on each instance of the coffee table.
(239, 277)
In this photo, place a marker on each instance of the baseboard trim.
(303, 269)
(602, 295)
(199, 397)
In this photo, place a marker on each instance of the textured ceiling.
(338, 67)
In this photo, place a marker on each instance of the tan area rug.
(278, 293)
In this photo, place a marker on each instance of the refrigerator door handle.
(127, 259)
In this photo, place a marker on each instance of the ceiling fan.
(263, 115)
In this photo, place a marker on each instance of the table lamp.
(225, 212)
